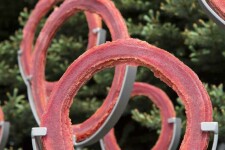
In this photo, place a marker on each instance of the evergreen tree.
(178, 26)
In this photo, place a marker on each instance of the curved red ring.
(113, 19)
(132, 52)
(163, 102)
(40, 10)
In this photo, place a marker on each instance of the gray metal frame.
(5, 133)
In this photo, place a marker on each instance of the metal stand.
(211, 127)
(27, 82)
(117, 110)
(176, 132)
(211, 13)
(5, 133)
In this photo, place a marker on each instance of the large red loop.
(118, 30)
(132, 52)
(163, 102)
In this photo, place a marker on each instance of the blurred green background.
(178, 26)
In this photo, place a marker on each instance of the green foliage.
(17, 112)
(179, 26)
(151, 120)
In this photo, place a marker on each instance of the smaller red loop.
(162, 101)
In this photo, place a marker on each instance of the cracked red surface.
(165, 66)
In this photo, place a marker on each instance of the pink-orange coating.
(113, 19)
(131, 52)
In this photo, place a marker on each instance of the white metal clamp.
(4, 133)
(36, 134)
(211, 127)
(176, 132)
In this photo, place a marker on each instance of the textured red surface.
(162, 101)
(113, 19)
(132, 52)
(1, 115)
(219, 7)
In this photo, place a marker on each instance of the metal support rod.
(117, 110)
(27, 82)
(102, 145)
(120, 104)
(4, 133)
(101, 35)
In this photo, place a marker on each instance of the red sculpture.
(132, 52)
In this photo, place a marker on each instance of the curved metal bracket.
(176, 132)
(212, 14)
(211, 127)
(5, 133)
(117, 110)
(27, 82)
